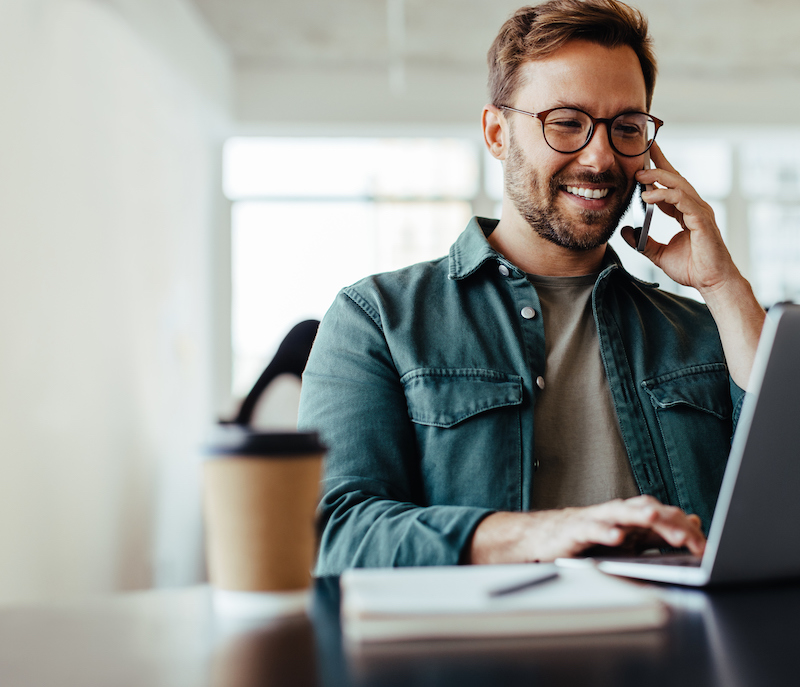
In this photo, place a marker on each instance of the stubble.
(536, 199)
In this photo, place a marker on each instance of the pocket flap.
(443, 397)
(704, 387)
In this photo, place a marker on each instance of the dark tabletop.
(729, 637)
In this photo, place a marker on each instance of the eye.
(627, 130)
(629, 126)
(566, 121)
(566, 124)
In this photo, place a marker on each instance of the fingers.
(659, 159)
(697, 255)
(547, 535)
(671, 192)
(602, 532)
(629, 234)
(677, 528)
(663, 172)
(570, 531)
(685, 202)
(668, 178)
(643, 518)
(667, 522)
(631, 237)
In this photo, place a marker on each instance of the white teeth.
(587, 192)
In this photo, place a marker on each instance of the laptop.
(755, 531)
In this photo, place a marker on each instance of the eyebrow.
(577, 106)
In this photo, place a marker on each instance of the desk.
(725, 638)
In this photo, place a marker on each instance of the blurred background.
(181, 181)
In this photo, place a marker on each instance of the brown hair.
(535, 32)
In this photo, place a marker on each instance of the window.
(771, 186)
(312, 215)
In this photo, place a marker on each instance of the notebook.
(755, 531)
(458, 602)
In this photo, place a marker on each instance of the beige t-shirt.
(578, 445)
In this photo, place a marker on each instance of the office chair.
(290, 359)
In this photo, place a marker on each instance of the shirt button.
(535, 465)
(540, 382)
(504, 270)
(528, 313)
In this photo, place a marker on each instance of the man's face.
(550, 190)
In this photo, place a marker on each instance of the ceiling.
(710, 35)
(720, 41)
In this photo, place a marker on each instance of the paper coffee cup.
(260, 496)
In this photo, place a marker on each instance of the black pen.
(519, 586)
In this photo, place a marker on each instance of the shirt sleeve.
(372, 510)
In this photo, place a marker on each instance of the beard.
(535, 199)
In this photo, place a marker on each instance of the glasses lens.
(632, 133)
(567, 130)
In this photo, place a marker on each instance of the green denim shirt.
(422, 384)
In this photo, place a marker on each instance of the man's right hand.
(640, 522)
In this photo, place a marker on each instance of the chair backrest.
(290, 359)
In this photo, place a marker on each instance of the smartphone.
(641, 233)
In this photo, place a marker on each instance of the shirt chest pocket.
(694, 412)
(467, 423)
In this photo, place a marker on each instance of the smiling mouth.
(587, 193)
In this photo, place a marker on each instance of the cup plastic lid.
(236, 440)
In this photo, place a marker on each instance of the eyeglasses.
(567, 130)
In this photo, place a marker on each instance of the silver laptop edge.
(739, 443)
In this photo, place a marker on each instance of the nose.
(598, 155)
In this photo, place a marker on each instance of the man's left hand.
(697, 256)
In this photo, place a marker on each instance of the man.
(526, 398)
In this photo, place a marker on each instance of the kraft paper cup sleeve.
(260, 495)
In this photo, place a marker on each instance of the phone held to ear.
(641, 233)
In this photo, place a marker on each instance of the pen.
(519, 586)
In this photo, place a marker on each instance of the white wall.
(112, 119)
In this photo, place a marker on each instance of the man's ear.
(496, 132)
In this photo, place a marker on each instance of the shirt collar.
(471, 250)
(611, 262)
